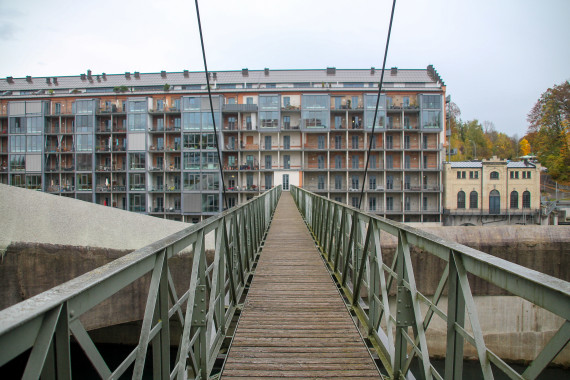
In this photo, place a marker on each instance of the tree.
(524, 146)
(548, 132)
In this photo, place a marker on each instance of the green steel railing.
(349, 241)
(46, 322)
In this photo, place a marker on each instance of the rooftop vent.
(394, 71)
(88, 73)
(163, 74)
(186, 74)
(98, 78)
(10, 79)
(266, 70)
(48, 80)
(104, 76)
(372, 70)
(54, 80)
(29, 79)
(137, 75)
(215, 76)
(128, 75)
(245, 72)
(83, 77)
(331, 70)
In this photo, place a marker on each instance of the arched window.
(494, 175)
(473, 199)
(494, 202)
(514, 199)
(461, 199)
(526, 199)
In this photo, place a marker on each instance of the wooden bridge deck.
(294, 323)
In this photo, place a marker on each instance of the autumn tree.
(549, 129)
(524, 147)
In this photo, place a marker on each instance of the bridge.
(283, 264)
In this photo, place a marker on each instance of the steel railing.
(349, 241)
(204, 311)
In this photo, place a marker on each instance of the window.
(17, 162)
(210, 181)
(270, 102)
(321, 182)
(372, 204)
(210, 160)
(210, 203)
(17, 144)
(34, 182)
(286, 101)
(514, 198)
(208, 122)
(431, 101)
(354, 182)
(269, 119)
(407, 203)
(286, 161)
(248, 124)
(431, 119)
(426, 204)
(136, 122)
(372, 182)
(321, 142)
(389, 162)
(137, 161)
(338, 142)
(268, 162)
(286, 122)
(192, 141)
(191, 181)
(473, 175)
(34, 124)
(249, 100)
(137, 202)
(84, 162)
(338, 122)
(389, 203)
(526, 199)
(137, 181)
(191, 120)
(232, 122)
(389, 182)
(192, 160)
(84, 143)
(231, 100)
(315, 102)
(286, 142)
(315, 119)
(354, 142)
(338, 162)
(407, 181)
(494, 175)
(338, 182)
(460, 174)
(191, 104)
(208, 141)
(373, 161)
(84, 106)
(355, 162)
(473, 200)
(461, 199)
(389, 142)
(515, 174)
(84, 123)
(526, 175)
(267, 142)
(320, 161)
(407, 142)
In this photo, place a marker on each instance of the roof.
(408, 78)
(479, 164)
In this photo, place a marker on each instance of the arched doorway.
(494, 202)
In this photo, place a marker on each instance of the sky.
(496, 57)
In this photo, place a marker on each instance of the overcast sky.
(496, 57)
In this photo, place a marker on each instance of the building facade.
(491, 191)
(146, 142)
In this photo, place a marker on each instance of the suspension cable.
(212, 108)
(377, 104)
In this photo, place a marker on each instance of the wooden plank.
(294, 324)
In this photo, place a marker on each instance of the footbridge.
(298, 286)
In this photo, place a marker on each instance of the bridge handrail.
(350, 242)
(211, 299)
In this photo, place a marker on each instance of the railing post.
(455, 316)
(62, 349)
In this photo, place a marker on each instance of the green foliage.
(166, 87)
(549, 131)
(121, 89)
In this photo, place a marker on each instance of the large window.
(17, 125)
(268, 119)
(34, 143)
(137, 161)
(315, 102)
(210, 160)
(137, 122)
(138, 106)
(338, 182)
(191, 120)
(192, 141)
(210, 203)
(34, 124)
(431, 119)
(494, 202)
(526, 199)
(83, 106)
(354, 182)
(137, 202)
(17, 162)
(17, 144)
(191, 104)
(321, 182)
(269, 102)
(315, 119)
(84, 162)
(84, 123)
(473, 199)
(84, 143)
(494, 175)
(514, 199)
(208, 122)
(461, 199)
(210, 181)
(191, 181)
(431, 101)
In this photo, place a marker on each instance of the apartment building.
(146, 142)
(491, 192)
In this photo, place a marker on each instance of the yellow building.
(491, 191)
